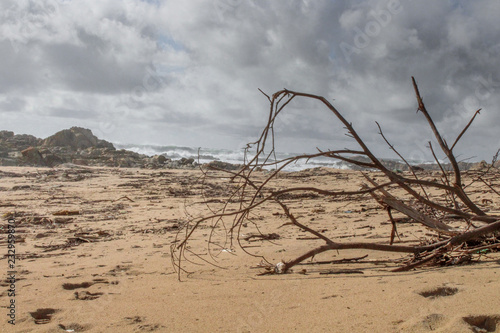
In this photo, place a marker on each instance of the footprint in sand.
(74, 327)
(439, 292)
(141, 325)
(87, 296)
(120, 269)
(73, 286)
(43, 316)
(431, 322)
(483, 323)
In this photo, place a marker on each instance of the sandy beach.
(93, 254)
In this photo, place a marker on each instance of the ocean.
(207, 155)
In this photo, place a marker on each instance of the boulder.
(483, 165)
(417, 168)
(159, 159)
(32, 156)
(76, 138)
(223, 165)
(9, 162)
(80, 161)
(4, 135)
(156, 161)
(186, 161)
(52, 160)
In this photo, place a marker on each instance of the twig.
(124, 197)
(340, 261)
(465, 129)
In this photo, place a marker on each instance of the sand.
(108, 267)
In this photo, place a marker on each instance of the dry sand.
(108, 269)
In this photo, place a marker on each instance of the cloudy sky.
(188, 72)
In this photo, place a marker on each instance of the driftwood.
(453, 242)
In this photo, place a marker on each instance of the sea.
(207, 155)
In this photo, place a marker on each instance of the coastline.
(81, 147)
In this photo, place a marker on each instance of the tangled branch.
(246, 194)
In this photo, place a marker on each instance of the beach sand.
(108, 268)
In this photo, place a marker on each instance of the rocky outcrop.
(78, 146)
(9, 141)
(11, 146)
(76, 138)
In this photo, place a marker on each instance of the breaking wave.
(207, 155)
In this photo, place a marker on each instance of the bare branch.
(250, 193)
(442, 143)
(465, 129)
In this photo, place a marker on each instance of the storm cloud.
(188, 72)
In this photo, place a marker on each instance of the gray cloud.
(12, 104)
(72, 113)
(187, 73)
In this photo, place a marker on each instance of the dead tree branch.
(249, 193)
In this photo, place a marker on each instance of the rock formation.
(75, 145)
(76, 138)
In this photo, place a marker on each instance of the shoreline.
(81, 147)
